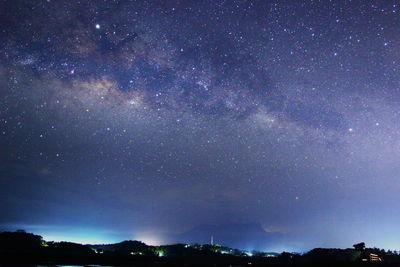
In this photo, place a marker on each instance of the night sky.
(271, 125)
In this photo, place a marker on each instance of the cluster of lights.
(160, 253)
(136, 253)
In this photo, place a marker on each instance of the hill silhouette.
(242, 236)
(30, 249)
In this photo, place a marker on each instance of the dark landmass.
(25, 248)
(234, 235)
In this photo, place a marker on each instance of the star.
(198, 112)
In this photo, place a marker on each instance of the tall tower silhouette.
(212, 240)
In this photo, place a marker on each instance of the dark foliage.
(19, 240)
(324, 254)
(26, 248)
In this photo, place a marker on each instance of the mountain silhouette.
(243, 236)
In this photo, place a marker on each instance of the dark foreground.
(35, 260)
(25, 249)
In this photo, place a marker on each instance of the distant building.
(372, 257)
(365, 255)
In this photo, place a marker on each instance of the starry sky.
(168, 121)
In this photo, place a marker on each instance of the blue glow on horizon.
(76, 234)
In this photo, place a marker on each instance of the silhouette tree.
(359, 246)
(20, 240)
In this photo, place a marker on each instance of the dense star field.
(270, 125)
